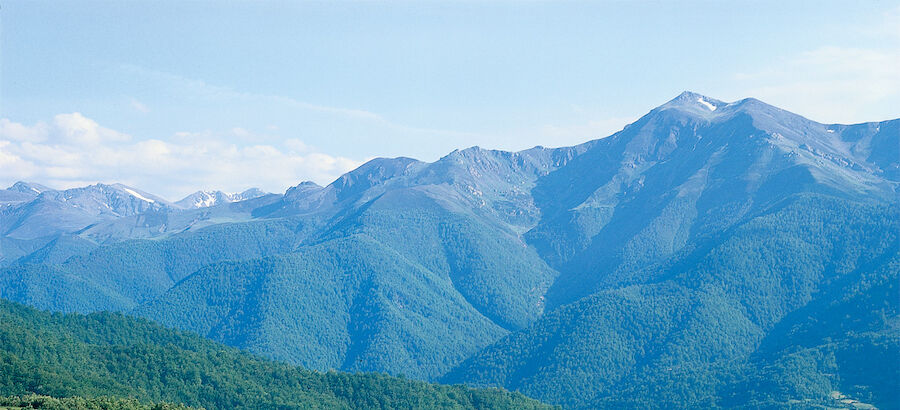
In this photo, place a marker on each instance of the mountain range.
(708, 254)
(32, 215)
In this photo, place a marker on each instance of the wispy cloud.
(339, 123)
(200, 87)
(832, 83)
(572, 134)
(837, 83)
(139, 106)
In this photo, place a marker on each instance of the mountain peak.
(694, 102)
(307, 185)
(691, 105)
(205, 199)
(28, 187)
(302, 190)
(375, 171)
(250, 193)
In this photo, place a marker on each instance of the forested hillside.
(108, 354)
(795, 304)
(32, 401)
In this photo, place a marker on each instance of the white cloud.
(72, 150)
(17, 132)
(73, 128)
(77, 129)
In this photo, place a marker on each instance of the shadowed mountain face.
(665, 264)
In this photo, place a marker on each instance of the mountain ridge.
(382, 169)
(205, 199)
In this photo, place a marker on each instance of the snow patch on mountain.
(138, 196)
(206, 199)
(707, 104)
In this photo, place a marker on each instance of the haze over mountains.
(710, 253)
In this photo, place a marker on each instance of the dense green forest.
(389, 314)
(370, 297)
(80, 403)
(108, 354)
(120, 276)
(794, 305)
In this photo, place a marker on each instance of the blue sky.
(172, 97)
